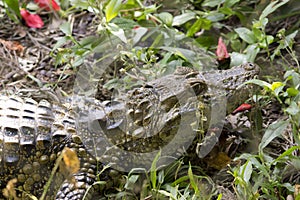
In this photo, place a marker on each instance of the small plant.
(163, 184)
(260, 176)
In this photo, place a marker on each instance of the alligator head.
(148, 118)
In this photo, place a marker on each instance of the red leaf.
(48, 4)
(221, 52)
(32, 20)
(241, 108)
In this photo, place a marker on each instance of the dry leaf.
(71, 160)
(219, 161)
(13, 46)
(10, 192)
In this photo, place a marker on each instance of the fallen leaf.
(71, 160)
(13, 46)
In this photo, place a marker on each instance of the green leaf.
(66, 28)
(153, 176)
(276, 85)
(174, 191)
(287, 41)
(260, 83)
(192, 180)
(14, 6)
(125, 23)
(247, 35)
(194, 28)
(150, 9)
(161, 176)
(273, 131)
(166, 18)
(258, 33)
(246, 171)
(165, 193)
(132, 179)
(212, 3)
(117, 31)
(288, 152)
(267, 40)
(80, 4)
(180, 180)
(183, 18)
(258, 165)
(252, 51)
(271, 8)
(60, 41)
(226, 11)
(185, 54)
(230, 3)
(215, 16)
(293, 109)
(139, 33)
(292, 75)
(238, 58)
(292, 92)
(112, 9)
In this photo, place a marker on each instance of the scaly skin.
(128, 130)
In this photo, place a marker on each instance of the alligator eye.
(148, 86)
(249, 66)
(198, 87)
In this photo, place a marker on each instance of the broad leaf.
(238, 58)
(212, 3)
(247, 35)
(112, 9)
(125, 23)
(14, 5)
(273, 131)
(230, 3)
(117, 31)
(292, 92)
(252, 51)
(66, 28)
(293, 109)
(166, 17)
(183, 18)
(194, 28)
(260, 83)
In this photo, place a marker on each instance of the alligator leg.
(77, 185)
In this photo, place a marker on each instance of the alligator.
(127, 131)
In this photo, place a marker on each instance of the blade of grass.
(153, 175)
(192, 180)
